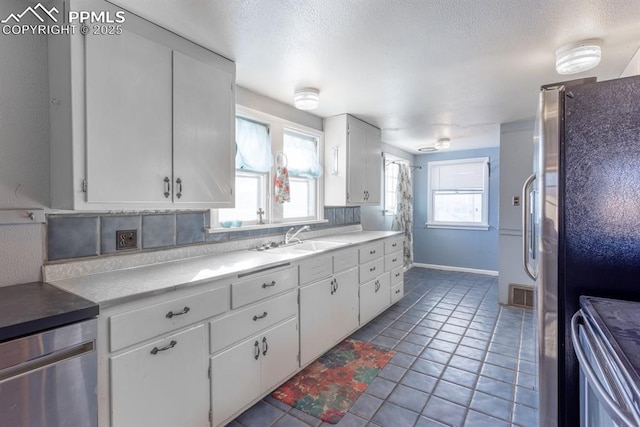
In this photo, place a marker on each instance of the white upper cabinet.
(353, 162)
(139, 120)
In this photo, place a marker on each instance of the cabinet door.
(373, 165)
(279, 353)
(128, 119)
(235, 379)
(356, 181)
(375, 296)
(162, 387)
(316, 336)
(344, 310)
(203, 133)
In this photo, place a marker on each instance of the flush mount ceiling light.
(306, 98)
(578, 57)
(442, 143)
(428, 149)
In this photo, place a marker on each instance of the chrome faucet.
(288, 238)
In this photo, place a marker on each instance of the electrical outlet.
(126, 239)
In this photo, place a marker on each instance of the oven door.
(605, 399)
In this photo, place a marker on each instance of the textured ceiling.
(418, 69)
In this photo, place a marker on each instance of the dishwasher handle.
(612, 407)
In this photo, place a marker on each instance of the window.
(253, 165)
(391, 168)
(258, 137)
(303, 162)
(458, 193)
(251, 187)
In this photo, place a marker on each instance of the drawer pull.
(333, 288)
(394, 260)
(372, 252)
(262, 316)
(394, 245)
(373, 268)
(166, 347)
(256, 347)
(377, 286)
(265, 346)
(185, 310)
(268, 285)
(397, 274)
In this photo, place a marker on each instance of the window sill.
(213, 230)
(481, 227)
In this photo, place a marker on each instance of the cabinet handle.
(372, 268)
(397, 274)
(262, 316)
(179, 182)
(333, 289)
(268, 285)
(397, 291)
(265, 346)
(377, 287)
(256, 347)
(372, 252)
(185, 310)
(394, 260)
(166, 347)
(394, 245)
(167, 188)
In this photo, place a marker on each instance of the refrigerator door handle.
(612, 407)
(526, 225)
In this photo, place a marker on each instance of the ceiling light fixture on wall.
(578, 57)
(306, 98)
(442, 143)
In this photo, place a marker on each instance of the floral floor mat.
(328, 387)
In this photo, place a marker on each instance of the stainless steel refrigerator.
(581, 221)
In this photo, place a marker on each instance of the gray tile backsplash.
(95, 235)
(72, 237)
(190, 228)
(158, 231)
(110, 224)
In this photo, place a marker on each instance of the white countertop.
(116, 287)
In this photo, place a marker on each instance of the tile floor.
(461, 360)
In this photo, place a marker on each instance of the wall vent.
(521, 296)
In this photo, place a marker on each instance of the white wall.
(24, 147)
(516, 164)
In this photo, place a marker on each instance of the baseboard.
(460, 269)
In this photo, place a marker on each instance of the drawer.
(393, 244)
(397, 275)
(255, 287)
(246, 322)
(345, 260)
(371, 270)
(371, 251)
(315, 268)
(138, 325)
(392, 261)
(397, 292)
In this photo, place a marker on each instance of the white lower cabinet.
(375, 296)
(247, 370)
(161, 384)
(328, 312)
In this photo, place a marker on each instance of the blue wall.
(477, 249)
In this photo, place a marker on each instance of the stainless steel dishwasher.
(49, 379)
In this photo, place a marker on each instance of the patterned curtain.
(403, 220)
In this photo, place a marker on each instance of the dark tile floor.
(461, 360)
